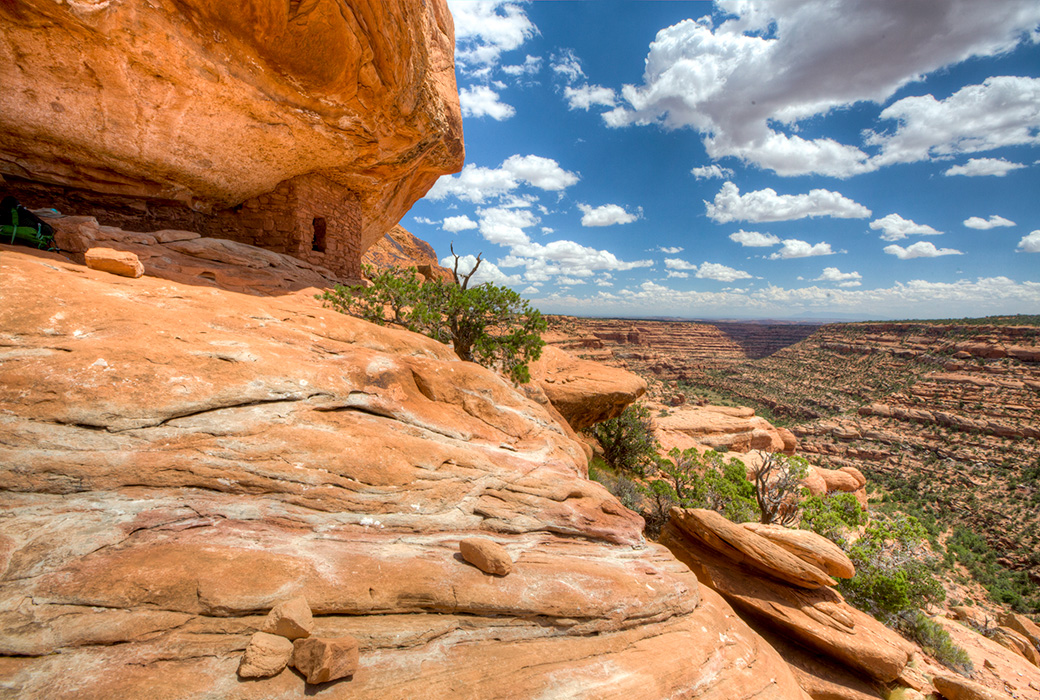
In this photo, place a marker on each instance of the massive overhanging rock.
(310, 126)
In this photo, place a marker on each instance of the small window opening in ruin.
(319, 234)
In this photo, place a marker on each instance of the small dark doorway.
(318, 243)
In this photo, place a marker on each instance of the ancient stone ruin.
(306, 129)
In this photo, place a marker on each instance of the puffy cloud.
(487, 272)
(767, 205)
(458, 223)
(674, 273)
(678, 264)
(476, 183)
(506, 226)
(769, 64)
(586, 96)
(530, 66)
(894, 228)
(1002, 111)
(711, 172)
(567, 65)
(754, 239)
(984, 166)
(607, 215)
(482, 101)
(483, 30)
(668, 250)
(794, 248)
(833, 274)
(543, 173)
(921, 249)
(721, 273)
(984, 224)
(1030, 243)
(530, 289)
(564, 258)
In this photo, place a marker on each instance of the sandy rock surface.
(737, 429)
(179, 459)
(211, 103)
(584, 392)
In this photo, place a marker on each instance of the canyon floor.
(943, 417)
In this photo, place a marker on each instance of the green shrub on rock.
(488, 324)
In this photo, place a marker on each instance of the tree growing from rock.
(488, 324)
(690, 479)
(778, 488)
(628, 441)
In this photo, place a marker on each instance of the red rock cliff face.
(212, 104)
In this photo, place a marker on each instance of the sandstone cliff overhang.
(213, 104)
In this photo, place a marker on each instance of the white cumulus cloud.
(668, 250)
(458, 223)
(754, 239)
(477, 183)
(894, 228)
(1002, 111)
(794, 248)
(747, 78)
(993, 221)
(586, 96)
(721, 273)
(483, 30)
(833, 274)
(976, 167)
(1030, 243)
(678, 264)
(921, 249)
(767, 205)
(607, 215)
(482, 101)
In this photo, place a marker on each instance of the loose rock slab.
(325, 659)
(266, 655)
(809, 547)
(291, 619)
(490, 557)
(117, 262)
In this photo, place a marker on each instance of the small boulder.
(118, 262)
(956, 688)
(266, 655)
(291, 619)
(486, 555)
(1023, 625)
(324, 659)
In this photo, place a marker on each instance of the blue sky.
(749, 159)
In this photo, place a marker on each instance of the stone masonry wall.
(287, 220)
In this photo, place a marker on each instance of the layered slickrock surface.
(177, 459)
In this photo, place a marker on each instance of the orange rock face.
(211, 103)
(399, 248)
(178, 459)
(584, 392)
